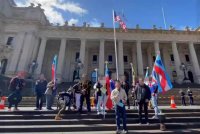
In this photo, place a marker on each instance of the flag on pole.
(117, 18)
(109, 101)
(53, 68)
(160, 76)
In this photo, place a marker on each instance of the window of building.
(10, 41)
(77, 56)
(110, 58)
(172, 57)
(125, 59)
(187, 58)
(94, 58)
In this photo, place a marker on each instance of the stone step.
(91, 116)
(94, 127)
(91, 121)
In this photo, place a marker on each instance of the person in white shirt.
(119, 98)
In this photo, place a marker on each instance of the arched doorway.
(190, 76)
(3, 66)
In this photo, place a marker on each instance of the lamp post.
(183, 67)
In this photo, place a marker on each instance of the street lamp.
(183, 67)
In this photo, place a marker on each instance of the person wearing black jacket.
(143, 96)
(40, 88)
(190, 95)
(182, 93)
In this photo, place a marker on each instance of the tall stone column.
(194, 61)
(61, 58)
(82, 54)
(120, 58)
(41, 55)
(18, 43)
(139, 58)
(156, 47)
(26, 53)
(177, 62)
(101, 57)
(149, 56)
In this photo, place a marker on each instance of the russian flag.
(53, 68)
(160, 76)
(109, 101)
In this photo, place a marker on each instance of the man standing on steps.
(40, 88)
(85, 93)
(143, 96)
(119, 97)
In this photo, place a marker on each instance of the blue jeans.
(120, 112)
(49, 101)
(154, 100)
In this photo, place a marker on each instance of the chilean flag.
(160, 76)
(109, 101)
(53, 68)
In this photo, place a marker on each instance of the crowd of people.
(141, 92)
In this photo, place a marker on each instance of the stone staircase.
(28, 121)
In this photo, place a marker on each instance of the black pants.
(87, 97)
(39, 101)
(141, 105)
(191, 100)
(128, 102)
(183, 101)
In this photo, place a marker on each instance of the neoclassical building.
(27, 36)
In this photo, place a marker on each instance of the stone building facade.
(27, 36)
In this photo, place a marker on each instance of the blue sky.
(146, 13)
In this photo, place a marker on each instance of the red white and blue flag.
(160, 76)
(117, 18)
(109, 101)
(53, 68)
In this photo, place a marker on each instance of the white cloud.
(95, 23)
(50, 6)
(73, 21)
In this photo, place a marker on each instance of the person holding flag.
(109, 104)
(51, 86)
(160, 82)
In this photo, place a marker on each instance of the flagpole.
(115, 41)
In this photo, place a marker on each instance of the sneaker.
(98, 113)
(155, 117)
(125, 131)
(139, 123)
(147, 123)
